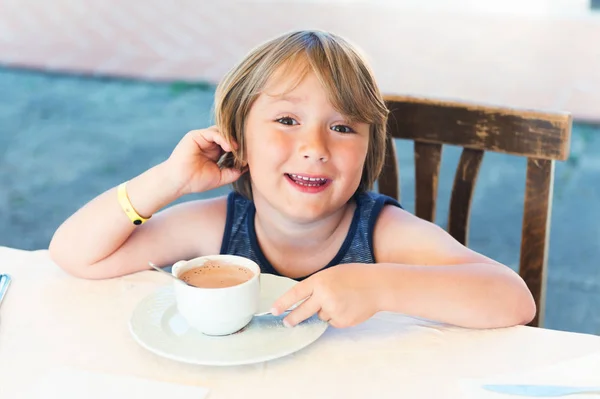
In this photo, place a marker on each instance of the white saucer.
(157, 326)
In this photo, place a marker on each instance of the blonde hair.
(344, 74)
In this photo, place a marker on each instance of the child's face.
(300, 135)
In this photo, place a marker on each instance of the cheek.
(251, 150)
(354, 156)
(266, 150)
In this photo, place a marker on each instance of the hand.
(193, 163)
(343, 295)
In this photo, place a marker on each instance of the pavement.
(533, 54)
(66, 138)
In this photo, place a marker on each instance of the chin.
(305, 214)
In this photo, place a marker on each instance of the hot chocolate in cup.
(224, 292)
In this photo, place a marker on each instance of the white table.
(51, 319)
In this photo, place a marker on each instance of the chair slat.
(389, 179)
(543, 137)
(427, 170)
(536, 230)
(528, 133)
(462, 193)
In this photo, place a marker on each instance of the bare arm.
(420, 271)
(425, 272)
(99, 240)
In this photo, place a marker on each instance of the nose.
(314, 145)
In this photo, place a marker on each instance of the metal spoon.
(4, 283)
(269, 312)
(294, 306)
(152, 265)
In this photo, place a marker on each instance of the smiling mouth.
(307, 181)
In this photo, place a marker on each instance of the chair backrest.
(542, 137)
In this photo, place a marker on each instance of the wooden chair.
(542, 137)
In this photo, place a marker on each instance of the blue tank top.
(240, 239)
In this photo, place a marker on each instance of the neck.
(285, 234)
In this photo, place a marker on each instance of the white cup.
(217, 311)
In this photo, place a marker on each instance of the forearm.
(100, 227)
(468, 295)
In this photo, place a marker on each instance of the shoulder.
(371, 204)
(200, 221)
(401, 237)
(394, 221)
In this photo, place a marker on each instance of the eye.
(342, 129)
(286, 120)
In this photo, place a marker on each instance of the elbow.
(522, 304)
(85, 272)
(512, 312)
(526, 308)
(103, 269)
(511, 303)
(60, 258)
(519, 307)
(57, 256)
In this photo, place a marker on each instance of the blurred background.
(93, 92)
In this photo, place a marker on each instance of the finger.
(227, 145)
(229, 175)
(220, 140)
(209, 138)
(204, 140)
(231, 141)
(324, 316)
(306, 310)
(297, 293)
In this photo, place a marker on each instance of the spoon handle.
(152, 265)
(4, 283)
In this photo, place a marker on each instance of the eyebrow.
(284, 97)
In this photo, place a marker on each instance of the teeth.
(318, 179)
(308, 184)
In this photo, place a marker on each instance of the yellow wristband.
(127, 207)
